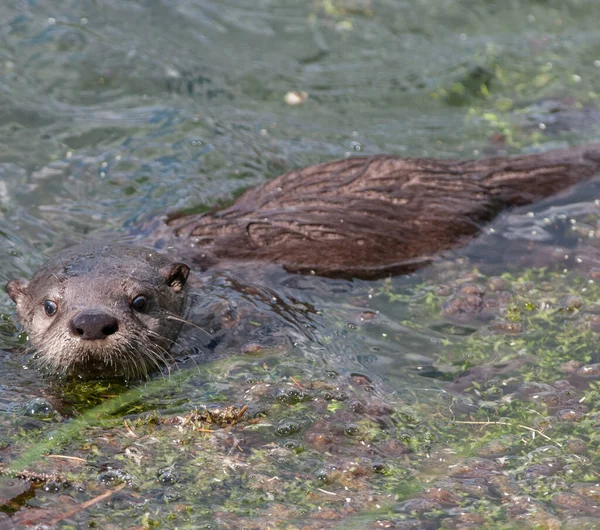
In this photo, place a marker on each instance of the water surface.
(113, 112)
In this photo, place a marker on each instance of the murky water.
(113, 112)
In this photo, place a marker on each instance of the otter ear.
(17, 289)
(175, 274)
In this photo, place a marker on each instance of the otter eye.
(50, 308)
(140, 303)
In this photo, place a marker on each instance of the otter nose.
(94, 325)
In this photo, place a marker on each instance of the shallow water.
(113, 112)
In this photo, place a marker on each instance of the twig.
(328, 492)
(129, 429)
(65, 457)
(296, 383)
(85, 505)
(200, 429)
(241, 412)
(510, 425)
(42, 517)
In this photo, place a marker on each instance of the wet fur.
(372, 216)
(106, 278)
(359, 217)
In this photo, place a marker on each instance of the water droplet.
(352, 429)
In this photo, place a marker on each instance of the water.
(113, 112)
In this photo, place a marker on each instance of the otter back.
(372, 216)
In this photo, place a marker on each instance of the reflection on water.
(113, 112)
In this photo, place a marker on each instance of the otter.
(368, 217)
(107, 309)
(117, 309)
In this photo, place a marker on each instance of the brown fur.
(103, 279)
(371, 216)
(354, 217)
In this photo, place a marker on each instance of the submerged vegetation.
(457, 398)
(509, 436)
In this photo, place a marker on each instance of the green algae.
(195, 474)
(331, 448)
(522, 399)
(340, 449)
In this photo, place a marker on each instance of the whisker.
(184, 321)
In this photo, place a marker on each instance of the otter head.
(108, 309)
